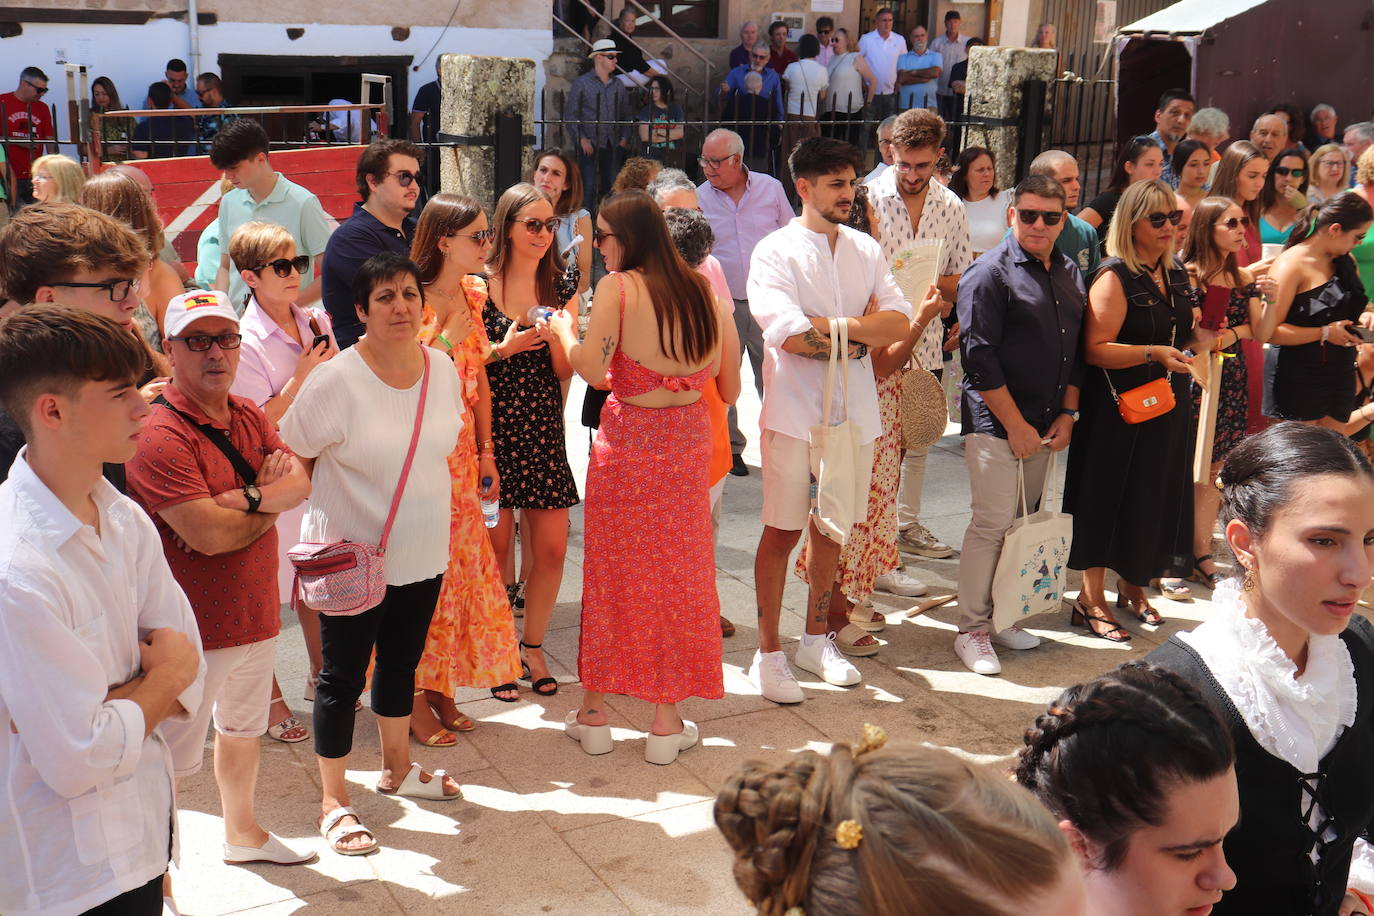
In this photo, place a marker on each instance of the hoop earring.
(1248, 584)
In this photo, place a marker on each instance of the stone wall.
(475, 90)
(995, 77)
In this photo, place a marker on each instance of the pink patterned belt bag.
(345, 578)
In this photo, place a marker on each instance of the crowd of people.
(185, 460)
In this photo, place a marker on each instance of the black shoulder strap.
(221, 441)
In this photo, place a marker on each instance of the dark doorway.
(261, 79)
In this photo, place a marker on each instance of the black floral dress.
(527, 425)
(1233, 407)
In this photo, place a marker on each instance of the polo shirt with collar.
(358, 238)
(268, 355)
(288, 205)
(234, 595)
(738, 227)
(881, 55)
(89, 810)
(919, 95)
(795, 277)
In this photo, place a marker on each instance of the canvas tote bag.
(839, 473)
(1035, 555)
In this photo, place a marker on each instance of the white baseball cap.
(188, 308)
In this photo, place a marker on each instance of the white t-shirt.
(805, 79)
(357, 428)
(987, 220)
(794, 277)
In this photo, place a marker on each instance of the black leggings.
(141, 901)
(397, 629)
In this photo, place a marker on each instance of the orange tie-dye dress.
(472, 640)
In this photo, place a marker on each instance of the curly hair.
(918, 128)
(636, 174)
(1104, 754)
(941, 836)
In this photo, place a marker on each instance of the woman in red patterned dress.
(650, 613)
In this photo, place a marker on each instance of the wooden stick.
(930, 604)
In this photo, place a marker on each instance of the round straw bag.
(924, 412)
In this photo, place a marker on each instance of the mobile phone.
(1363, 333)
(319, 339)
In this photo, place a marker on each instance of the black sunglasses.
(1236, 221)
(1028, 217)
(199, 343)
(404, 178)
(118, 290)
(1285, 171)
(481, 236)
(1157, 220)
(41, 90)
(532, 225)
(600, 235)
(283, 266)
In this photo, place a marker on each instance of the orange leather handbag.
(1145, 402)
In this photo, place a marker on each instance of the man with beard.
(811, 270)
(910, 208)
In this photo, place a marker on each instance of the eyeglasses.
(481, 236)
(600, 235)
(283, 266)
(1028, 217)
(905, 167)
(200, 343)
(1285, 171)
(1173, 217)
(118, 290)
(883, 142)
(404, 178)
(532, 226)
(1236, 222)
(754, 56)
(41, 90)
(714, 163)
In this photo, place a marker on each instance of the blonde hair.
(256, 243)
(1324, 151)
(65, 173)
(936, 835)
(1137, 201)
(1364, 169)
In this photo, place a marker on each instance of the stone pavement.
(543, 828)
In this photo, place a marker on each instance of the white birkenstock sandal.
(335, 835)
(413, 787)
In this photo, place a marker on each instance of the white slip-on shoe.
(899, 583)
(595, 739)
(663, 749)
(273, 852)
(1016, 638)
(824, 658)
(774, 678)
(976, 652)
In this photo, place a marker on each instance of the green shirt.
(288, 205)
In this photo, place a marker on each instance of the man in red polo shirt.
(213, 473)
(25, 119)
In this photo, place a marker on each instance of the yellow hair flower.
(848, 835)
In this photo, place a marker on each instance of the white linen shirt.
(357, 428)
(795, 277)
(942, 217)
(881, 55)
(87, 807)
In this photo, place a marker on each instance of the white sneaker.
(976, 652)
(918, 540)
(824, 658)
(899, 583)
(774, 678)
(1016, 638)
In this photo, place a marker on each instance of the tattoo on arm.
(607, 348)
(819, 345)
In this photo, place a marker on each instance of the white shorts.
(786, 481)
(237, 695)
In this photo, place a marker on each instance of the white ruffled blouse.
(1296, 717)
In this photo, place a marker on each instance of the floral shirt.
(470, 353)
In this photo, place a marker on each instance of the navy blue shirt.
(165, 138)
(358, 238)
(1020, 327)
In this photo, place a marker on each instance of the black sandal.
(1142, 611)
(1081, 617)
(511, 687)
(545, 686)
(1209, 579)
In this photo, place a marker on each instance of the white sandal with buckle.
(336, 835)
(413, 787)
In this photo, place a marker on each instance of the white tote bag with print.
(1033, 567)
(839, 473)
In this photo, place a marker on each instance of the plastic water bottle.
(538, 313)
(491, 508)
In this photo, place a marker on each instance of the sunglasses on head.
(283, 266)
(532, 225)
(404, 178)
(1157, 220)
(1028, 217)
(1236, 222)
(1285, 171)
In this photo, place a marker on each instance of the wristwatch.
(254, 497)
(1071, 414)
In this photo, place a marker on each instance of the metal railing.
(703, 93)
(1083, 123)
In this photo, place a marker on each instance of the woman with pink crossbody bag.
(375, 426)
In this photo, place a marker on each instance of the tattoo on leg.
(820, 609)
